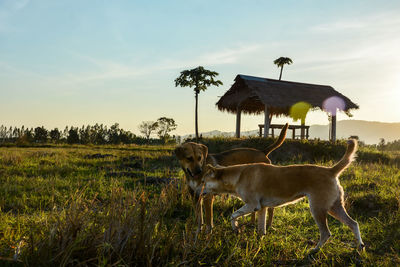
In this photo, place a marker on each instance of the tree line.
(389, 146)
(97, 134)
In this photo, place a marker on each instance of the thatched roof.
(252, 93)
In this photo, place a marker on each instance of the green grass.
(103, 205)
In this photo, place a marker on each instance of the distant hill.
(368, 131)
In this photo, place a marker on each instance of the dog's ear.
(204, 149)
(179, 152)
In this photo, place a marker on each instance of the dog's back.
(239, 156)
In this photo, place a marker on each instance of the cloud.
(373, 41)
(108, 69)
(103, 70)
(20, 4)
(338, 26)
(7, 9)
(7, 68)
(382, 22)
(227, 55)
(94, 72)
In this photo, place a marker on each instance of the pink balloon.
(332, 104)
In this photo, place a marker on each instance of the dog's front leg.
(208, 206)
(198, 209)
(198, 204)
(243, 211)
(270, 217)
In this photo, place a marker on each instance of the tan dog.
(194, 158)
(261, 185)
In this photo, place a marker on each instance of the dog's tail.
(279, 141)
(347, 158)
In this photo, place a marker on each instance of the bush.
(296, 151)
(290, 151)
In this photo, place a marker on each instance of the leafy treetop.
(199, 78)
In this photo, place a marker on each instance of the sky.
(85, 62)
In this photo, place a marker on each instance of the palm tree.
(280, 62)
(200, 79)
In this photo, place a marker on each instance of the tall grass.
(128, 229)
(100, 206)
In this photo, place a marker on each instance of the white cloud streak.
(353, 42)
(108, 70)
(383, 22)
(20, 4)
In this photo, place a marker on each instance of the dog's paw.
(235, 225)
(309, 258)
(313, 251)
(237, 230)
(209, 229)
(361, 248)
(261, 232)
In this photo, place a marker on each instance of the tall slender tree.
(280, 62)
(200, 79)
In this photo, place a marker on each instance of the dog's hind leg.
(319, 216)
(262, 224)
(243, 211)
(261, 214)
(339, 212)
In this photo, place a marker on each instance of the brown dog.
(261, 185)
(194, 158)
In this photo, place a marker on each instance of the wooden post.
(238, 115)
(333, 128)
(260, 130)
(302, 134)
(266, 121)
(294, 133)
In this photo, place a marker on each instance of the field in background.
(127, 205)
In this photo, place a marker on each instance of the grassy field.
(128, 205)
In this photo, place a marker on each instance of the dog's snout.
(198, 170)
(189, 172)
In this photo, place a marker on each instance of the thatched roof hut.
(255, 95)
